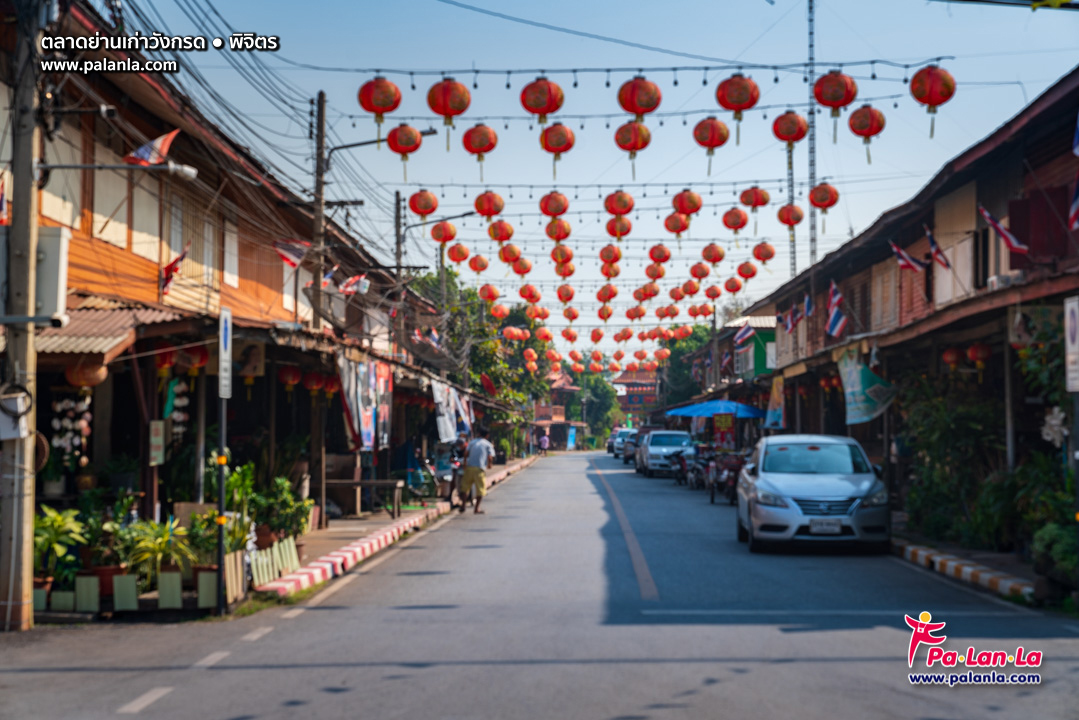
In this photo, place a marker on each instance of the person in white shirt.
(479, 457)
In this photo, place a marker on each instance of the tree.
(680, 384)
(599, 400)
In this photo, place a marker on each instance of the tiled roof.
(756, 321)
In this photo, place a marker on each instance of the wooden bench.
(396, 485)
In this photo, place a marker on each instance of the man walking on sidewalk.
(544, 443)
(480, 457)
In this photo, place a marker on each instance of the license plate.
(825, 526)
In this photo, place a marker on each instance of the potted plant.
(52, 477)
(55, 532)
(203, 540)
(505, 449)
(158, 545)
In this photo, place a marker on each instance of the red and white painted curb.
(341, 561)
(961, 569)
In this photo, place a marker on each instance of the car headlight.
(767, 498)
(877, 496)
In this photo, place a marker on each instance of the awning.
(717, 407)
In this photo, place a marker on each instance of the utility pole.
(319, 229)
(17, 476)
(398, 249)
(812, 136)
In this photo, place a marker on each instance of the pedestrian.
(480, 457)
(545, 442)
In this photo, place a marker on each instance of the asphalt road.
(585, 591)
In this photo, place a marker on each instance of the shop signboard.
(775, 417)
(723, 424)
(157, 442)
(1071, 343)
(866, 394)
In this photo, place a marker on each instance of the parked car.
(629, 448)
(655, 450)
(610, 440)
(817, 488)
(642, 436)
(620, 439)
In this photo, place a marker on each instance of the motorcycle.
(729, 465)
(697, 472)
(681, 467)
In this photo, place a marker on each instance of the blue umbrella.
(717, 407)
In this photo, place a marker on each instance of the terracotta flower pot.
(105, 574)
(43, 583)
(264, 537)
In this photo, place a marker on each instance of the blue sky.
(1002, 59)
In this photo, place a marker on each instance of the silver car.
(620, 441)
(816, 488)
(657, 448)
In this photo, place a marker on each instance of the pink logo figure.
(922, 632)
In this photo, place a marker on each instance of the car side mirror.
(878, 470)
(751, 469)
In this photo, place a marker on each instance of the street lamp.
(329, 155)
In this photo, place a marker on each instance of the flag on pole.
(906, 262)
(835, 296)
(171, 269)
(3, 203)
(743, 348)
(1073, 213)
(744, 334)
(796, 317)
(781, 318)
(936, 251)
(1009, 239)
(354, 284)
(328, 277)
(808, 303)
(726, 359)
(291, 252)
(837, 322)
(788, 321)
(154, 152)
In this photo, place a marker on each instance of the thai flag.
(796, 317)
(171, 269)
(744, 334)
(781, 319)
(726, 359)
(808, 306)
(152, 153)
(1075, 140)
(1010, 240)
(1073, 214)
(434, 337)
(835, 296)
(788, 321)
(935, 250)
(743, 349)
(837, 322)
(291, 252)
(3, 204)
(328, 277)
(906, 262)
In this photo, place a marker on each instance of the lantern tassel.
(868, 157)
(738, 133)
(835, 130)
(404, 166)
(554, 167)
(823, 223)
(378, 133)
(481, 177)
(447, 136)
(709, 166)
(932, 125)
(754, 221)
(633, 168)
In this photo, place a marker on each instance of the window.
(209, 252)
(982, 258)
(806, 459)
(176, 224)
(288, 275)
(231, 274)
(669, 440)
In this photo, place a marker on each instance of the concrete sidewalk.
(347, 542)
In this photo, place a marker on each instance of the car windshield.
(807, 458)
(669, 440)
(622, 435)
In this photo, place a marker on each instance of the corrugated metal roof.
(757, 321)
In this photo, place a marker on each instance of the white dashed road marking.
(258, 633)
(144, 701)
(211, 659)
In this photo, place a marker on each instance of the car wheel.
(712, 493)
(742, 534)
(625, 460)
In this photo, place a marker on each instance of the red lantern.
(639, 97)
(932, 86)
(619, 203)
(790, 127)
(610, 254)
(510, 333)
(618, 227)
(522, 266)
(676, 294)
(609, 270)
(423, 203)
(713, 292)
(733, 285)
(659, 254)
(713, 253)
(164, 359)
(570, 314)
(607, 293)
(565, 270)
(790, 215)
(509, 253)
(747, 270)
(655, 271)
(553, 204)
(595, 366)
(738, 93)
(448, 98)
(823, 196)
(735, 219)
(556, 367)
(663, 353)
(313, 381)
(552, 354)
(978, 353)
(639, 296)
(952, 357)
(542, 97)
(529, 354)
(558, 229)
(577, 368)
(457, 253)
(489, 293)
(651, 289)
(754, 197)
(404, 140)
(661, 311)
(290, 376)
(561, 254)
(687, 202)
(88, 375)
(836, 382)
(632, 367)
(565, 293)
(489, 204)
(866, 122)
(693, 311)
(705, 309)
(443, 232)
(480, 140)
(531, 366)
(556, 139)
(500, 312)
(700, 270)
(641, 354)
(763, 252)
(545, 335)
(597, 335)
(711, 133)
(691, 287)
(571, 335)
(379, 96)
(605, 312)
(835, 90)
(677, 223)
(500, 231)
(331, 384)
(197, 358)
(631, 137)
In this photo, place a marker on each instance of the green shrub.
(1056, 553)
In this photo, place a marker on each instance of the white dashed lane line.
(258, 633)
(144, 701)
(212, 659)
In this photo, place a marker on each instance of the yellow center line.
(647, 585)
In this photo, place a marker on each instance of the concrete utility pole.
(319, 229)
(17, 476)
(811, 69)
(398, 250)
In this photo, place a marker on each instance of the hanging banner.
(776, 417)
(444, 412)
(571, 438)
(383, 386)
(867, 395)
(724, 430)
(357, 391)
